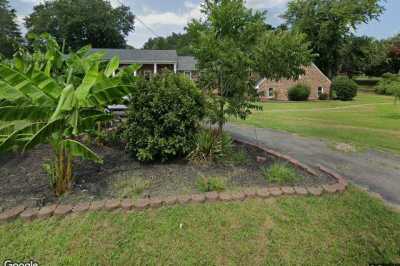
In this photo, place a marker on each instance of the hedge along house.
(153, 61)
(278, 90)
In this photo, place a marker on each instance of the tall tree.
(182, 42)
(232, 45)
(394, 53)
(10, 36)
(82, 22)
(363, 55)
(328, 22)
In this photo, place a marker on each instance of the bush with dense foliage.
(387, 85)
(163, 118)
(299, 92)
(344, 88)
(324, 96)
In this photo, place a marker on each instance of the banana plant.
(39, 107)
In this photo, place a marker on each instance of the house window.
(270, 93)
(320, 91)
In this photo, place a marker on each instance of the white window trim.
(322, 91)
(268, 93)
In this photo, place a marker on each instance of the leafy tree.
(181, 42)
(233, 47)
(363, 55)
(10, 36)
(49, 97)
(327, 23)
(82, 22)
(394, 53)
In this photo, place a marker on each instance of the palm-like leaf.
(30, 113)
(77, 149)
(43, 135)
(24, 132)
(112, 66)
(26, 85)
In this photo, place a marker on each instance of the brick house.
(278, 90)
(153, 61)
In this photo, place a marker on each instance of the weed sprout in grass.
(207, 184)
(281, 173)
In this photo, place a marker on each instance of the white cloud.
(162, 23)
(152, 18)
(266, 3)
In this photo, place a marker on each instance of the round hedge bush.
(344, 88)
(299, 92)
(163, 118)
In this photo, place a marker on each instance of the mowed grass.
(347, 229)
(370, 121)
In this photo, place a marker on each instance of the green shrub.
(299, 92)
(324, 96)
(163, 117)
(387, 85)
(208, 184)
(344, 88)
(210, 146)
(280, 173)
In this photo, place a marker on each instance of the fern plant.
(49, 97)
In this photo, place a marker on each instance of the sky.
(166, 16)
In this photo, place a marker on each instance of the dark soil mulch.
(23, 180)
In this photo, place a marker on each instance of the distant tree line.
(327, 24)
(74, 24)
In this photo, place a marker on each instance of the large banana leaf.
(77, 149)
(48, 85)
(9, 93)
(65, 103)
(24, 84)
(43, 135)
(90, 122)
(112, 66)
(111, 95)
(12, 139)
(30, 113)
(88, 82)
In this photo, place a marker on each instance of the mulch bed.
(24, 182)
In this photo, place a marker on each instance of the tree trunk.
(63, 172)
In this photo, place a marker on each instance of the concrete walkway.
(375, 170)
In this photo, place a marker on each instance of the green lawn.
(347, 229)
(368, 121)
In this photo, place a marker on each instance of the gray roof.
(186, 63)
(132, 56)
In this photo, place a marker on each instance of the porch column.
(175, 68)
(135, 73)
(155, 68)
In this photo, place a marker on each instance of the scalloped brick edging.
(129, 205)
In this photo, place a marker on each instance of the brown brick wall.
(313, 78)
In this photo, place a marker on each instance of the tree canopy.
(181, 42)
(82, 22)
(233, 46)
(328, 22)
(10, 36)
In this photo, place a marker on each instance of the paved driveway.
(378, 171)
